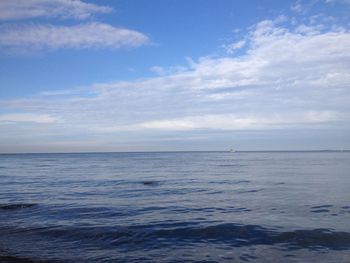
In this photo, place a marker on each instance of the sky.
(174, 75)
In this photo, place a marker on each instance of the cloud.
(231, 48)
(242, 122)
(28, 117)
(90, 35)
(287, 79)
(25, 9)
(158, 69)
(297, 7)
(168, 71)
(338, 1)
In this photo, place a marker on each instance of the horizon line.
(179, 151)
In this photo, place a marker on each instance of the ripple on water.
(236, 235)
(15, 206)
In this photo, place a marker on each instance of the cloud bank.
(23, 37)
(91, 35)
(27, 117)
(286, 78)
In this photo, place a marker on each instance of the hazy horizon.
(140, 76)
(184, 151)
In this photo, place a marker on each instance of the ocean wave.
(15, 206)
(236, 235)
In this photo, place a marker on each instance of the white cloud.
(158, 69)
(28, 117)
(231, 48)
(24, 9)
(168, 71)
(297, 7)
(90, 35)
(338, 1)
(288, 78)
(240, 121)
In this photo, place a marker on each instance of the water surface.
(175, 207)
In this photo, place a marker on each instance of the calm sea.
(175, 207)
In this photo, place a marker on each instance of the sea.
(175, 207)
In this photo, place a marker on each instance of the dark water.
(175, 207)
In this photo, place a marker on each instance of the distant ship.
(232, 151)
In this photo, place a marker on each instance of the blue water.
(175, 207)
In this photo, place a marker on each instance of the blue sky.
(174, 75)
